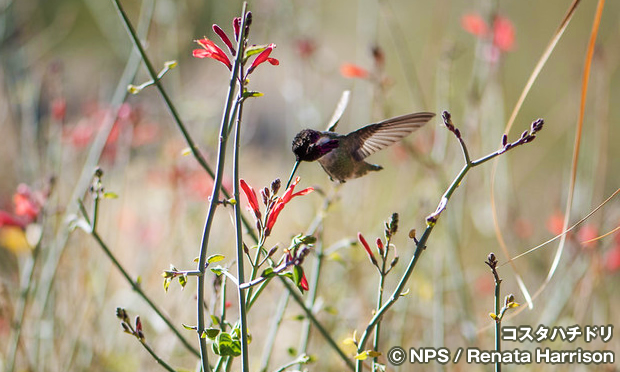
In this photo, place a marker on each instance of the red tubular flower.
(349, 70)
(303, 283)
(503, 34)
(25, 203)
(218, 30)
(237, 27)
(7, 219)
(262, 57)
(288, 195)
(474, 24)
(371, 255)
(250, 194)
(210, 50)
(380, 246)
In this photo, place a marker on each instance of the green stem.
(377, 331)
(159, 360)
(498, 321)
(273, 330)
(217, 186)
(239, 238)
(136, 287)
(316, 323)
(20, 312)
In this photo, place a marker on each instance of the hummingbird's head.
(310, 145)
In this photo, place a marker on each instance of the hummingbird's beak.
(292, 174)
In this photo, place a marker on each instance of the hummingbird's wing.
(342, 105)
(375, 137)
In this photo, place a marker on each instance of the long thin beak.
(292, 174)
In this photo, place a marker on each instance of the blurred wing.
(375, 137)
(342, 105)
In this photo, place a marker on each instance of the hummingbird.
(342, 156)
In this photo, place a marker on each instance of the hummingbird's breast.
(340, 164)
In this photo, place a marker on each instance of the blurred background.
(65, 66)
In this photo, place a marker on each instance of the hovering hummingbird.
(342, 156)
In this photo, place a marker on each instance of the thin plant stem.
(159, 360)
(330, 341)
(375, 343)
(239, 238)
(498, 324)
(273, 330)
(431, 220)
(136, 287)
(20, 312)
(217, 186)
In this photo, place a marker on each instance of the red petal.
(303, 192)
(250, 194)
(218, 30)
(211, 51)
(7, 219)
(262, 57)
(503, 33)
(288, 194)
(360, 237)
(303, 282)
(350, 70)
(474, 24)
(273, 61)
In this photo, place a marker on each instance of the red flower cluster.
(211, 50)
(274, 206)
(501, 34)
(27, 207)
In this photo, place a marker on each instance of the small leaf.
(215, 258)
(268, 273)
(512, 305)
(362, 356)
(215, 320)
(110, 195)
(219, 270)
(188, 327)
(166, 284)
(373, 353)
(171, 64)
(212, 332)
(405, 293)
(331, 310)
(132, 89)
(493, 316)
(291, 351)
(183, 280)
(251, 93)
(254, 49)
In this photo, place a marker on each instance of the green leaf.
(183, 280)
(212, 332)
(215, 258)
(218, 270)
(224, 345)
(254, 49)
(110, 195)
(170, 64)
(188, 327)
(166, 284)
(268, 273)
(215, 320)
(252, 93)
(287, 274)
(291, 351)
(298, 273)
